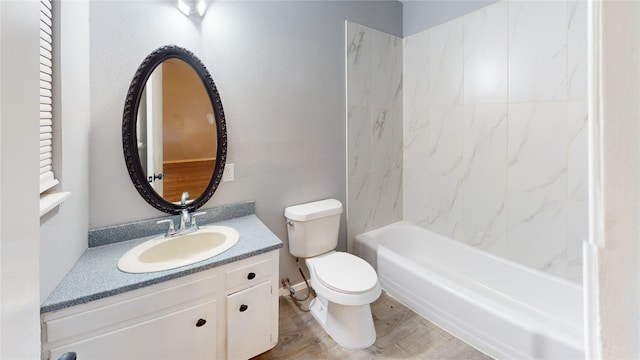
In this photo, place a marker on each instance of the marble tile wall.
(374, 129)
(495, 139)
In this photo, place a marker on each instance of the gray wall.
(19, 158)
(279, 67)
(423, 15)
(63, 231)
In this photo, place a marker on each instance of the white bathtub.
(504, 309)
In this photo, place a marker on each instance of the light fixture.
(184, 7)
(202, 7)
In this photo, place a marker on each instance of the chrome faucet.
(185, 219)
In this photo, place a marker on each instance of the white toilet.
(345, 284)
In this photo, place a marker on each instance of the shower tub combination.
(502, 308)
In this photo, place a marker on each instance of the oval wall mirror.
(173, 131)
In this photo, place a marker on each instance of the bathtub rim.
(369, 238)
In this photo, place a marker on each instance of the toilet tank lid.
(313, 210)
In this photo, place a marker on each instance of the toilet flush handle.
(289, 222)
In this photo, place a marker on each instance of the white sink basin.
(169, 253)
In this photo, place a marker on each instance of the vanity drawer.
(250, 272)
(82, 320)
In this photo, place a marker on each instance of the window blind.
(47, 178)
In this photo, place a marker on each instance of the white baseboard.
(297, 287)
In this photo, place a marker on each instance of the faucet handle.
(193, 219)
(172, 230)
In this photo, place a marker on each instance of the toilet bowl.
(345, 284)
(343, 278)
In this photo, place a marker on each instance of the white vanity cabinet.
(230, 311)
(252, 320)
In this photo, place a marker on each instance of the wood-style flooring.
(401, 334)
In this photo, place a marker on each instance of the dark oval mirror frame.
(129, 131)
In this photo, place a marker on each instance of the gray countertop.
(95, 275)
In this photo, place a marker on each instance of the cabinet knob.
(251, 276)
(243, 308)
(201, 322)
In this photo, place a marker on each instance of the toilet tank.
(313, 227)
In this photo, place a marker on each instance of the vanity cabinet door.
(186, 334)
(249, 322)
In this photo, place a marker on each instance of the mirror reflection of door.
(141, 131)
(154, 102)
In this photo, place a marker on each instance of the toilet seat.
(345, 273)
